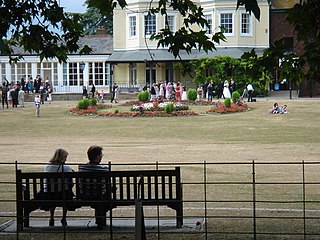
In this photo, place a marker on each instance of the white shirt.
(250, 87)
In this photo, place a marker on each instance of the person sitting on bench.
(95, 189)
(57, 164)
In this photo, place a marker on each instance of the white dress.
(226, 91)
(184, 96)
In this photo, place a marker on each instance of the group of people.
(278, 110)
(57, 164)
(223, 90)
(170, 91)
(13, 94)
(99, 94)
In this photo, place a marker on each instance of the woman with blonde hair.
(57, 164)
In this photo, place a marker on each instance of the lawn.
(214, 138)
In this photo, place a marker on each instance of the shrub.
(143, 96)
(227, 102)
(116, 111)
(84, 103)
(192, 94)
(235, 96)
(93, 101)
(169, 108)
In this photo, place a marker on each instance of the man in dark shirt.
(95, 189)
(95, 156)
(4, 95)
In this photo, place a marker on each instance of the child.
(101, 93)
(37, 102)
(275, 108)
(284, 109)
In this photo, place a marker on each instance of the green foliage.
(221, 67)
(39, 27)
(305, 19)
(143, 96)
(93, 101)
(235, 96)
(192, 94)
(92, 19)
(84, 103)
(227, 102)
(169, 108)
(116, 111)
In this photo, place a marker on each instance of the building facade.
(137, 61)
(78, 71)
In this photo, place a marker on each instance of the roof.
(100, 45)
(160, 55)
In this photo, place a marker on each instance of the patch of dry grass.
(236, 138)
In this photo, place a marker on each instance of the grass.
(214, 138)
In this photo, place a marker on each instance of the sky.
(73, 5)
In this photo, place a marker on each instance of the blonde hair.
(58, 156)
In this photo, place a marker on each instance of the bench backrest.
(122, 185)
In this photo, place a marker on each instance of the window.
(107, 74)
(55, 74)
(150, 73)
(73, 74)
(226, 23)
(132, 26)
(150, 25)
(170, 23)
(3, 71)
(65, 74)
(245, 24)
(133, 74)
(99, 73)
(169, 72)
(208, 28)
(18, 71)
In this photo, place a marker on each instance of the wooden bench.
(158, 187)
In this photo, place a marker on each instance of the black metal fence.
(237, 200)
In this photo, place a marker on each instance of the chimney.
(101, 31)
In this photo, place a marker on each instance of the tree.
(35, 26)
(92, 19)
(43, 28)
(307, 29)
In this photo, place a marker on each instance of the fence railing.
(248, 200)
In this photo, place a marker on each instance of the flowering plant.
(221, 108)
(155, 106)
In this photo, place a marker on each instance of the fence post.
(205, 197)
(304, 200)
(254, 200)
(139, 218)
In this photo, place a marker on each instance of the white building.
(65, 77)
(131, 60)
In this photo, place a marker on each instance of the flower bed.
(220, 108)
(142, 110)
(148, 114)
(155, 106)
(184, 102)
(91, 110)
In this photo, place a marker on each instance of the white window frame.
(144, 25)
(232, 14)
(250, 24)
(130, 27)
(172, 27)
(208, 17)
